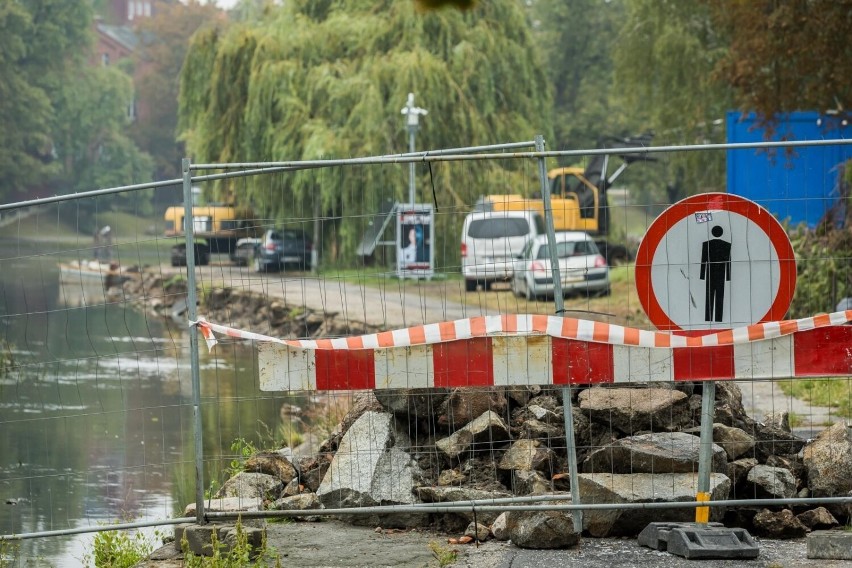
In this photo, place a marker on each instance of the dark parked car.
(202, 254)
(279, 248)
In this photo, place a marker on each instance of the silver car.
(581, 267)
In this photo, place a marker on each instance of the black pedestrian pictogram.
(715, 271)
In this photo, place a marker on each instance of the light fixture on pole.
(412, 114)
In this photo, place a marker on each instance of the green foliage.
(664, 60)
(159, 57)
(89, 125)
(786, 55)
(834, 393)
(443, 554)
(118, 549)
(242, 450)
(241, 554)
(40, 40)
(576, 39)
(9, 553)
(824, 266)
(7, 360)
(322, 80)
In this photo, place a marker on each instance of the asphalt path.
(391, 303)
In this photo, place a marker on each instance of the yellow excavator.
(216, 228)
(578, 195)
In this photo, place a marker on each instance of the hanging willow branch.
(321, 80)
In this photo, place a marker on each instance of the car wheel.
(605, 292)
(486, 286)
(529, 294)
(515, 290)
(470, 285)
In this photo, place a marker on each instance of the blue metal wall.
(798, 185)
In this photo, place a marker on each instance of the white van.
(490, 243)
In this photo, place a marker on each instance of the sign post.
(415, 230)
(710, 262)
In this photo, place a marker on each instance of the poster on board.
(415, 232)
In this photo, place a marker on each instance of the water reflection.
(96, 414)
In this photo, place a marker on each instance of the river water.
(96, 411)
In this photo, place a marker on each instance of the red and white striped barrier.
(548, 350)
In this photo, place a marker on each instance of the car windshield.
(498, 228)
(286, 235)
(569, 248)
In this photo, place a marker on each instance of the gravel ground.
(339, 545)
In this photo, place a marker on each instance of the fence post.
(705, 455)
(192, 314)
(559, 304)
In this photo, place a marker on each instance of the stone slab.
(830, 545)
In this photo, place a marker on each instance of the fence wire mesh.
(96, 389)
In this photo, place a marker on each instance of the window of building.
(105, 59)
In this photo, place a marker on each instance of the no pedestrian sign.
(715, 261)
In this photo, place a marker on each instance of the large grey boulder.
(371, 466)
(729, 409)
(828, 460)
(770, 440)
(778, 524)
(660, 452)
(542, 529)
(364, 401)
(643, 488)
(735, 441)
(464, 405)
(818, 518)
(488, 427)
(302, 502)
(632, 410)
(252, 486)
(280, 464)
(528, 455)
(771, 481)
(525, 482)
(415, 403)
(738, 472)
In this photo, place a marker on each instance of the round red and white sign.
(715, 261)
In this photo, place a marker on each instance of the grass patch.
(443, 554)
(118, 549)
(835, 393)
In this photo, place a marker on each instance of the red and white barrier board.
(548, 350)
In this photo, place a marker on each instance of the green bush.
(824, 267)
(118, 549)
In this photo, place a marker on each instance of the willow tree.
(326, 79)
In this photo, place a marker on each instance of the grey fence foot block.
(656, 535)
(700, 541)
(199, 538)
(830, 545)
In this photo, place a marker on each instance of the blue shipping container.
(798, 185)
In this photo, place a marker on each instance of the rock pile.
(165, 296)
(634, 445)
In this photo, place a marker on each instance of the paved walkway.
(763, 397)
